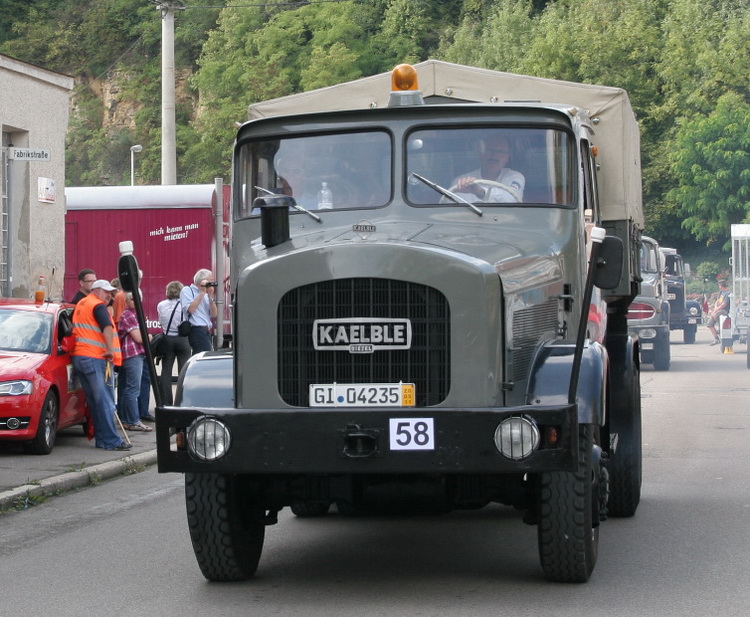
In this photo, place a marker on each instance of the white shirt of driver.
(511, 178)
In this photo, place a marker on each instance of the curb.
(16, 497)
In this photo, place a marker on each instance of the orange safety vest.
(90, 339)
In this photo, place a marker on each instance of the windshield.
(354, 167)
(25, 331)
(491, 166)
(649, 259)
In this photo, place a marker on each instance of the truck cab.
(412, 277)
(684, 313)
(648, 315)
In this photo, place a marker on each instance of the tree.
(715, 36)
(497, 37)
(711, 163)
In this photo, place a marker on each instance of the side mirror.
(609, 263)
(274, 218)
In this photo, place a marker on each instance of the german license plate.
(362, 395)
(647, 346)
(693, 320)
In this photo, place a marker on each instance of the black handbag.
(184, 328)
(158, 345)
(159, 341)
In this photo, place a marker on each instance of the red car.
(38, 392)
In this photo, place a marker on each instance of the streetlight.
(133, 150)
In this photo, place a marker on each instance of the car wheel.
(47, 431)
(567, 533)
(688, 334)
(227, 526)
(662, 357)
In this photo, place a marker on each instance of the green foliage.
(715, 37)
(13, 12)
(496, 38)
(708, 272)
(711, 163)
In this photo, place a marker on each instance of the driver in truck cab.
(493, 181)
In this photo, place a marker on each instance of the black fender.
(207, 380)
(549, 379)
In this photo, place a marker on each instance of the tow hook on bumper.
(359, 442)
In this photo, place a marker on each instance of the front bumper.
(357, 441)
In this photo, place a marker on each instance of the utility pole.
(168, 134)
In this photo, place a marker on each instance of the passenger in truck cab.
(302, 170)
(323, 172)
(494, 181)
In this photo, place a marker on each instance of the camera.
(211, 285)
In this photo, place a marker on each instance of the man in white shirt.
(495, 155)
(199, 308)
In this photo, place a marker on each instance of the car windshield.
(354, 167)
(25, 331)
(490, 165)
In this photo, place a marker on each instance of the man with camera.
(199, 308)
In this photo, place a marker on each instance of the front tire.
(46, 434)
(568, 538)
(662, 355)
(688, 334)
(227, 527)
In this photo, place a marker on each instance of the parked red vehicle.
(38, 392)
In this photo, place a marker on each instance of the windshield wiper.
(450, 195)
(295, 205)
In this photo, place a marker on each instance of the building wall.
(34, 105)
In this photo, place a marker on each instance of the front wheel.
(44, 439)
(227, 527)
(688, 334)
(662, 355)
(567, 533)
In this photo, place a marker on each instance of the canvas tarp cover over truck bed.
(616, 131)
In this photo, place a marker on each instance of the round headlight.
(694, 310)
(647, 333)
(208, 438)
(517, 438)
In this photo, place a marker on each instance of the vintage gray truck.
(648, 315)
(412, 263)
(684, 313)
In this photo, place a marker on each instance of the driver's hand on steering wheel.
(469, 185)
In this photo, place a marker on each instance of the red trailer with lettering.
(173, 230)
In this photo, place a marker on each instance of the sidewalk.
(74, 462)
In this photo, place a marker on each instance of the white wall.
(34, 104)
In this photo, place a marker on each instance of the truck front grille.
(426, 363)
(530, 326)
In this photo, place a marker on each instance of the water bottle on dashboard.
(325, 197)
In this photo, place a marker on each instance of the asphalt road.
(122, 547)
